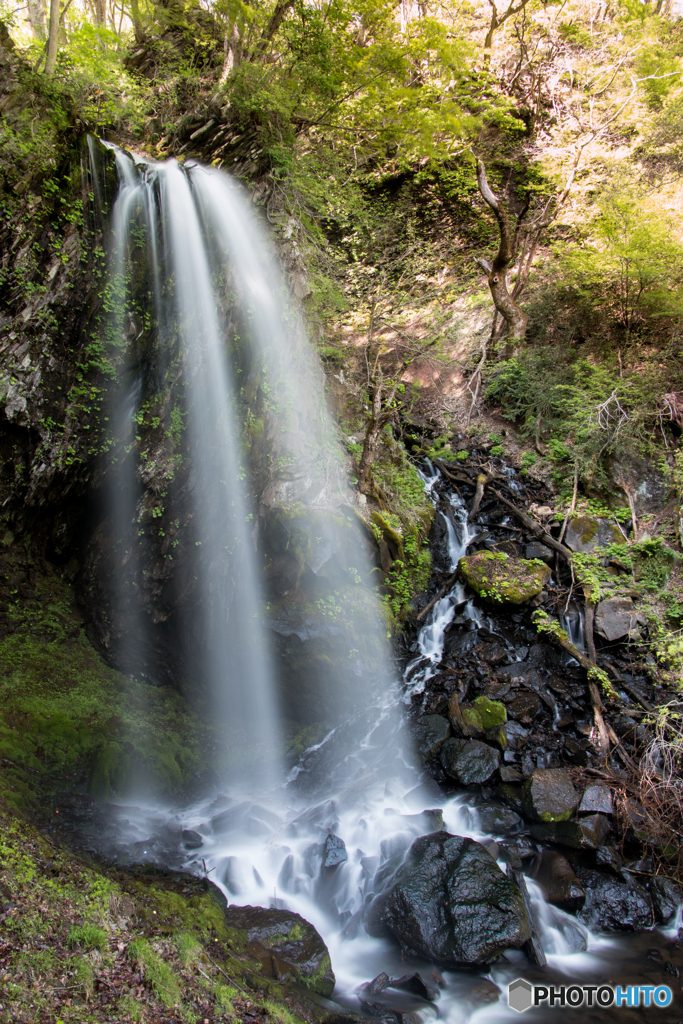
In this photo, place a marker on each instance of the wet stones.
(537, 550)
(613, 905)
(498, 579)
(559, 884)
(523, 707)
(287, 946)
(451, 903)
(191, 839)
(513, 736)
(596, 800)
(666, 897)
(498, 820)
(590, 832)
(430, 733)
(469, 761)
(549, 795)
(334, 851)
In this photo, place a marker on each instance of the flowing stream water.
(260, 836)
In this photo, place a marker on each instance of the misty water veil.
(197, 305)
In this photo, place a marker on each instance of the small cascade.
(573, 625)
(430, 641)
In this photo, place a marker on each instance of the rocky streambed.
(512, 846)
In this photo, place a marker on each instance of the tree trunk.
(36, 15)
(135, 18)
(365, 481)
(53, 38)
(513, 315)
(515, 318)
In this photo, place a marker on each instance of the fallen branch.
(631, 690)
(224, 974)
(482, 480)
(460, 478)
(621, 749)
(535, 528)
(445, 588)
(571, 508)
(544, 625)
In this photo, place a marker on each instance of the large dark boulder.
(613, 905)
(288, 947)
(450, 902)
(469, 761)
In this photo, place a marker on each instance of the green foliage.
(86, 977)
(158, 975)
(189, 950)
(87, 935)
(345, 85)
(632, 265)
(224, 995)
(588, 409)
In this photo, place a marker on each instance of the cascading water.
(431, 638)
(203, 253)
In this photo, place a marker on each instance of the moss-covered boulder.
(491, 712)
(499, 579)
(288, 947)
(586, 533)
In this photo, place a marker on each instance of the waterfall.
(205, 342)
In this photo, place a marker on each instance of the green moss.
(158, 975)
(68, 717)
(586, 527)
(200, 915)
(389, 530)
(473, 721)
(319, 980)
(491, 712)
(499, 579)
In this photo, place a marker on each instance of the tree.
(36, 15)
(53, 38)
(498, 20)
(509, 229)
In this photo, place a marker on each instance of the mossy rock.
(549, 795)
(586, 533)
(491, 712)
(499, 579)
(472, 721)
(287, 946)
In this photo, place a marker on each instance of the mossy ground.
(80, 943)
(68, 721)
